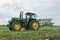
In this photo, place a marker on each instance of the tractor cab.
(30, 15)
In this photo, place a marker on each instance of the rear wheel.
(34, 25)
(16, 26)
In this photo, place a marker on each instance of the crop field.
(44, 33)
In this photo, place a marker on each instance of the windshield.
(31, 17)
(28, 17)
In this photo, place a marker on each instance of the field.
(44, 33)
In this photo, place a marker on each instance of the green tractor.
(29, 22)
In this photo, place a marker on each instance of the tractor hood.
(15, 19)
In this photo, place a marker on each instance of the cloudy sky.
(43, 8)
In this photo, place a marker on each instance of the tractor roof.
(29, 13)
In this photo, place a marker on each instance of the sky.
(43, 8)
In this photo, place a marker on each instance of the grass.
(50, 30)
(42, 32)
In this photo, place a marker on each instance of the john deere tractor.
(29, 22)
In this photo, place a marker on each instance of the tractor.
(29, 22)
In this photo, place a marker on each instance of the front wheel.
(16, 26)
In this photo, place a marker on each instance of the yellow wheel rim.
(17, 26)
(35, 25)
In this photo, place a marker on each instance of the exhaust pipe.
(21, 14)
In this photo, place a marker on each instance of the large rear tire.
(34, 25)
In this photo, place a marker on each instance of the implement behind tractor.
(29, 22)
